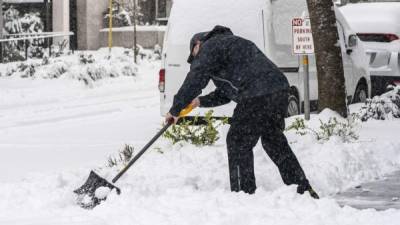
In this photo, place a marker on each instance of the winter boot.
(307, 187)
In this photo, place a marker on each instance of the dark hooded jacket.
(236, 66)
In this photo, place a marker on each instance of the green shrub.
(124, 156)
(344, 130)
(198, 135)
(333, 127)
(298, 125)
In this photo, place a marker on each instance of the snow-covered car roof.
(379, 17)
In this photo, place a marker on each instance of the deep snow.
(52, 132)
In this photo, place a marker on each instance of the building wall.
(146, 39)
(169, 6)
(90, 21)
(61, 19)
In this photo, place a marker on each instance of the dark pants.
(254, 118)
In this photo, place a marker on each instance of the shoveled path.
(380, 194)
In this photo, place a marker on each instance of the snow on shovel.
(96, 188)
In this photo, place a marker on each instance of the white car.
(377, 24)
(268, 25)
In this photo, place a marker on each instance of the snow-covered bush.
(14, 23)
(149, 54)
(86, 58)
(123, 14)
(31, 23)
(157, 52)
(120, 16)
(199, 135)
(335, 126)
(60, 48)
(22, 70)
(344, 129)
(123, 157)
(120, 19)
(85, 67)
(53, 70)
(298, 125)
(382, 107)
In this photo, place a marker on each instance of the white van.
(268, 24)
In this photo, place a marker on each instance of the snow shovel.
(96, 188)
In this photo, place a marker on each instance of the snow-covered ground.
(53, 132)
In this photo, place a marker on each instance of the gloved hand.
(174, 119)
(169, 118)
(195, 103)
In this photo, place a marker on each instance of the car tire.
(293, 106)
(361, 93)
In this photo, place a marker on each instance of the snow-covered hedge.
(84, 66)
(382, 107)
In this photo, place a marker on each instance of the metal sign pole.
(306, 87)
(303, 44)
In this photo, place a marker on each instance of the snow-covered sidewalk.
(53, 132)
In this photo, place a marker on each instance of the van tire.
(361, 93)
(293, 106)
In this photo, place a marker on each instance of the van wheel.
(293, 106)
(361, 93)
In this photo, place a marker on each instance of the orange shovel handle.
(186, 110)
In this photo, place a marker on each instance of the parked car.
(377, 24)
(268, 25)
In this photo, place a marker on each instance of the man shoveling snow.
(243, 74)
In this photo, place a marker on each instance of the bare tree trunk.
(331, 82)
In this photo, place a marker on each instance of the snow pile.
(386, 106)
(189, 185)
(102, 192)
(85, 66)
(336, 164)
(61, 131)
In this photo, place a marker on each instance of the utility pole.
(134, 32)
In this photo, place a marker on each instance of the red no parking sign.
(303, 43)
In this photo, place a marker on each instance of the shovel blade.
(87, 192)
